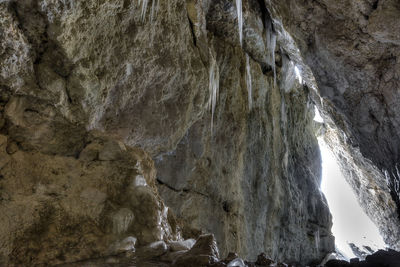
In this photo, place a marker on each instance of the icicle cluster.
(288, 73)
(271, 44)
(153, 11)
(213, 87)
(240, 19)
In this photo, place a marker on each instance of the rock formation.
(353, 51)
(110, 108)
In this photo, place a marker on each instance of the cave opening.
(355, 233)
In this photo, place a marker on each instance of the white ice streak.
(236, 263)
(240, 19)
(288, 73)
(213, 87)
(317, 239)
(248, 82)
(153, 11)
(298, 75)
(317, 115)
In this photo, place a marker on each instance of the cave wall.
(92, 90)
(236, 181)
(352, 48)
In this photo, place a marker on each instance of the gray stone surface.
(248, 173)
(352, 47)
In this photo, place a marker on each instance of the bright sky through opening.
(350, 223)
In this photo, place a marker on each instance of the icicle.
(387, 178)
(317, 239)
(213, 87)
(240, 19)
(298, 75)
(248, 82)
(144, 9)
(288, 74)
(271, 45)
(154, 9)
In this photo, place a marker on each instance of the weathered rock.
(203, 253)
(181, 245)
(380, 258)
(253, 160)
(172, 256)
(247, 170)
(231, 256)
(127, 244)
(152, 250)
(61, 209)
(263, 260)
(353, 51)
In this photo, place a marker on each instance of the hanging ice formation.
(298, 75)
(271, 45)
(288, 73)
(240, 19)
(248, 82)
(154, 9)
(213, 87)
(317, 239)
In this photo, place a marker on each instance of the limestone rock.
(152, 250)
(172, 256)
(352, 48)
(181, 245)
(203, 253)
(263, 260)
(62, 209)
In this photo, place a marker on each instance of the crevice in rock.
(184, 190)
(375, 5)
(192, 31)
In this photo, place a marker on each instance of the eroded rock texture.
(353, 50)
(84, 84)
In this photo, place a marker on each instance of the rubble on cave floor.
(203, 252)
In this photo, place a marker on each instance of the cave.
(183, 132)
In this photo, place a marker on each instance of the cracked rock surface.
(105, 103)
(352, 47)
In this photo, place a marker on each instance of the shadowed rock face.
(244, 166)
(353, 50)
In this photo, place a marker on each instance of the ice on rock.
(139, 181)
(298, 74)
(240, 19)
(213, 87)
(129, 69)
(288, 73)
(236, 263)
(317, 116)
(153, 11)
(144, 9)
(317, 239)
(248, 82)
